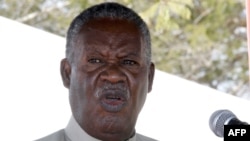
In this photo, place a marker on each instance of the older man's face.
(108, 79)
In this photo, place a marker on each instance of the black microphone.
(223, 117)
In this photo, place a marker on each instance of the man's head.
(107, 70)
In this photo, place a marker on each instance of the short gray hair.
(107, 10)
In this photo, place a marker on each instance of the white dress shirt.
(74, 132)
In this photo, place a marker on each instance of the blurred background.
(200, 40)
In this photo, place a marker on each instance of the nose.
(113, 74)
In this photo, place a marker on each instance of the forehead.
(109, 32)
(114, 26)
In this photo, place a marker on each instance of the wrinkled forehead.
(111, 25)
(105, 31)
(110, 31)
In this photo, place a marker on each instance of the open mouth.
(113, 101)
(115, 97)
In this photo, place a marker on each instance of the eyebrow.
(93, 51)
(131, 54)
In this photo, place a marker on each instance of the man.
(108, 72)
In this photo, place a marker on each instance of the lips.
(113, 100)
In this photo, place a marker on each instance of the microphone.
(223, 117)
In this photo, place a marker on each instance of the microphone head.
(218, 119)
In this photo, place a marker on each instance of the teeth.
(113, 97)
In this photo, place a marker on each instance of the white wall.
(34, 102)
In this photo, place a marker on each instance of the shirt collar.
(75, 133)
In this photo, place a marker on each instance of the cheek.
(80, 97)
(139, 91)
(80, 81)
(141, 98)
(76, 84)
(82, 87)
(77, 90)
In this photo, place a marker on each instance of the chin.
(114, 128)
(115, 136)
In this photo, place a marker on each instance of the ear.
(65, 72)
(151, 76)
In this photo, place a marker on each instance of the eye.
(94, 60)
(129, 62)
